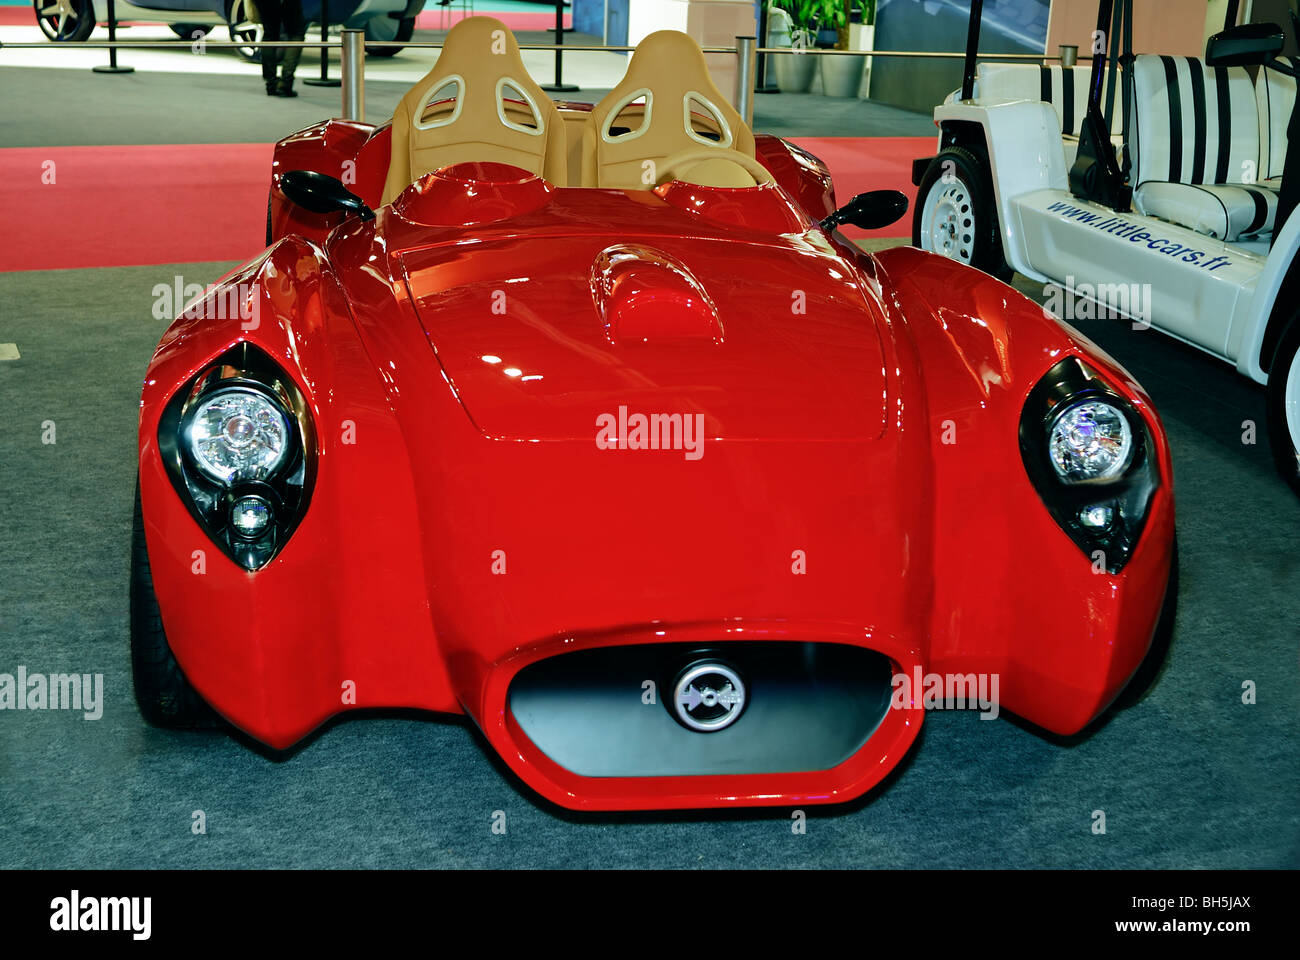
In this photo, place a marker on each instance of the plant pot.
(842, 75)
(794, 71)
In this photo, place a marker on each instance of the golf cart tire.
(1284, 367)
(972, 170)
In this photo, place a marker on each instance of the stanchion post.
(353, 60)
(111, 66)
(559, 86)
(762, 72)
(745, 66)
(324, 80)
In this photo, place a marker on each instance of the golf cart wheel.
(386, 28)
(186, 31)
(65, 21)
(955, 215)
(164, 695)
(1284, 405)
(243, 30)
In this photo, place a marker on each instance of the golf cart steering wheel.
(671, 168)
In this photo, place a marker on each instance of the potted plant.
(794, 71)
(842, 75)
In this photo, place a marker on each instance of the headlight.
(238, 434)
(1090, 456)
(1090, 442)
(239, 445)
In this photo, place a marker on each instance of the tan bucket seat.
(666, 106)
(477, 104)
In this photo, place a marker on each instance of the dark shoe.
(284, 88)
(271, 88)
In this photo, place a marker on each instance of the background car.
(75, 20)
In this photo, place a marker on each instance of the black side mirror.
(322, 194)
(870, 211)
(1244, 46)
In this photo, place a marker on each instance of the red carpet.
(122, 206)
(132, 205)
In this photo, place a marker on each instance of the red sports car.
(587, 422)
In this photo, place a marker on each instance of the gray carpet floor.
(152, 107)
(1190, 777)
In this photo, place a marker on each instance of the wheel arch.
(1020, 140)
(1277, 295)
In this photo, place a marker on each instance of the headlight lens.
(238, 434)
(1090, 442)
(239, 445)
(1092, 459)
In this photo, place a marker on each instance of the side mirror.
(1247, 45)
(322, 194)
(870, 211)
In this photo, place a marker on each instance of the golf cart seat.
(1274, 100)
(1195, 137)
(477, 104)
(1065, 88)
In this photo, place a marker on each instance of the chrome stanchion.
(746, 61)
(111, 66)
(353, 59)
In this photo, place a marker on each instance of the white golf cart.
(1173, 210)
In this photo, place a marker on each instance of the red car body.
(861, 411)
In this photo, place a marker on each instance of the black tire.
(186, 31)
(72, 27)
(164, 696)
(1284, 378)
(405, 29)
(243, 31)
(965, 202)
(1152, 666)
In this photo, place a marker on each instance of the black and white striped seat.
(1065, 88)
(1274, 100)
(1195, 138)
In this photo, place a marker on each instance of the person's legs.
(272, 18)
(295, 29)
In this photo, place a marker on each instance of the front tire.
(1152, 666)
(186, 31)
(955, 213)
(386, 28)
(1284, 405)
(164, 695)
(65, 21)
(244, 30)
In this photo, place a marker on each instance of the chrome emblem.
(709, 696)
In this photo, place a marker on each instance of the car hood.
(542, 337)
